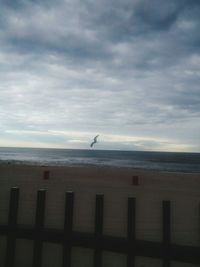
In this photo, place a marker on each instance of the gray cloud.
(129, 68)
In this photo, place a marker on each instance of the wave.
(162, 161)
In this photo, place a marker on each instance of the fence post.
(98, 230)
(131, 231)
(39, 225)
(12, 223)
(68, 223)
(166, 232)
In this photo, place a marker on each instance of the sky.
(126, 70)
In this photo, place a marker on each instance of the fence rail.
(130, 245)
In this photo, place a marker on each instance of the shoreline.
(92, 166)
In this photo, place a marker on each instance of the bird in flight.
(95, 141)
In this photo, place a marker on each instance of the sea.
(162, 161)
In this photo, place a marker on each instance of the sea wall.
(117, 184)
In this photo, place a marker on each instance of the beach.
(149, 188)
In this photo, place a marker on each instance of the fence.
(130, 246)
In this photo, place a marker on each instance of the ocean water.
(163, 161)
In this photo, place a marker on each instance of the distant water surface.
(163, 161)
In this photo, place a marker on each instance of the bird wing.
(95, 138)
(91, 145)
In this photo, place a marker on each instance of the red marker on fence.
(46, 175)
(135, 180)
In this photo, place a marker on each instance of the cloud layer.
(128, 70)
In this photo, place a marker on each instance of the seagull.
(95, 141)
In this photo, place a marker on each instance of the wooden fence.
(130, 246)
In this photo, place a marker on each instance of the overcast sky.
(128, 70)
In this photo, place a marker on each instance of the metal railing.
(68, 238)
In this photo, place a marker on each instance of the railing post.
(98, 230)
(12, 223)
(68, 224)
(131, 231)
(39, 225)
(166, 232)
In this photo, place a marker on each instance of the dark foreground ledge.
(187, 254)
